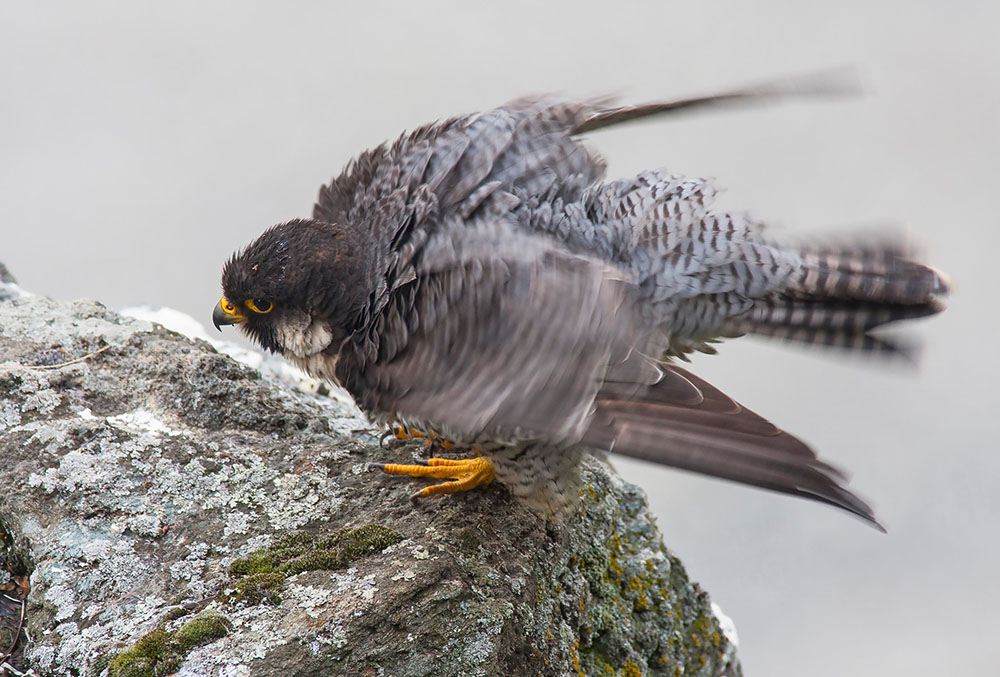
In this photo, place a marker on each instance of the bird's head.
(297, 289)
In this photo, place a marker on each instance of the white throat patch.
(302, 339)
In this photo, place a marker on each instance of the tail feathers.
(840, 296)
(831, 316)
(854, 342)
(873, 276)
(686, 423)
(832, 324)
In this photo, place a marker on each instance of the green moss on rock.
(259, 562)
(258, 577)
(161, 651)
(260, 587)
(204, 628)
(176, 612)
(151, 656)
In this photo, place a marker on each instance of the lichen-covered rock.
(145, 478)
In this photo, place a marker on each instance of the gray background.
(141, 145)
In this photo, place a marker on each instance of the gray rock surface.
(137, 466)
(9, 288)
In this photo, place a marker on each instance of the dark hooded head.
(297, 289)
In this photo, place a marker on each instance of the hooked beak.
(226, 313)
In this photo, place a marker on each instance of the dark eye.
(261, 306)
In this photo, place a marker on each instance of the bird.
(481, 282)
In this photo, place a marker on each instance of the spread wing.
(506, 333)
(687, 423)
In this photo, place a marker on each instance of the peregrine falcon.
(481, 281)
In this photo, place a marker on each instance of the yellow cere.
(230, 309)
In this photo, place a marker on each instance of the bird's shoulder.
(465, 162)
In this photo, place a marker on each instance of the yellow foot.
(464, 474)
(404, 433)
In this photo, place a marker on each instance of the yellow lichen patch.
(703, 633)
(636, 586)
(615, 568)
(576, 657)
(589, 495)
(631, 669)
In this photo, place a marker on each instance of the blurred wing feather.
(686, 423)
(513, 336)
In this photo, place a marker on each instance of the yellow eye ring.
(260, 306)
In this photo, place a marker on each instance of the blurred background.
(140, 145)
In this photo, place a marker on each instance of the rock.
(9, 288)
(176, 511)
(6, 277)
(269, 365)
